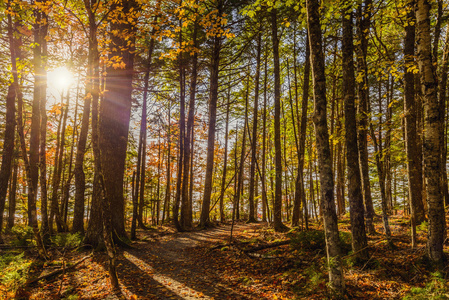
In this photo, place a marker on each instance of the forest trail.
(174, 266)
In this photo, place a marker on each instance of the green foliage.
(308, 240)
(13, 270)
(23, 235)
(436, 289)
(423, 227)
(315, 240)
(67, 240)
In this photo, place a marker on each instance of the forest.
(224, 149)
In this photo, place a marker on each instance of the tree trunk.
(432, 136)
(213, 98)
(225, 160)
(182, 133)
(10, 124)
(264, 138)
(115, 111)
(442, 110)
(336, 280)
(252, 208)
(277, 208)
(168, 179)
(186, 210)
(300, 194)
(60, 142)
(363, 25)
(242, 157)
(13, 193)
(359, 241)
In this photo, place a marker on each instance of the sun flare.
(60, 78)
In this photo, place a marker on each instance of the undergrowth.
(13, 270)
(436, 289)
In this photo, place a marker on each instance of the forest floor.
(164, 264)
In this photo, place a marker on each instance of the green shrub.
(423, 227)
(23, 235)
(436, 289)
(13, 270)
(315, 240)
(67, 240)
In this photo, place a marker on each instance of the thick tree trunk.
(336, 280)
(432, 135)
(115, 111)
(359, 241)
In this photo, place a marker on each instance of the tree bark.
(10, 124)
(277, 208)
(225, 160)
(336, 280)
(359, 241)
(213, 98)
(12, 193)
(432, 136)
(115, 111)
(363, 25)
(186, 209)
(252, 208)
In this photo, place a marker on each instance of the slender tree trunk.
(32, 214)
(13, 193)
(213, 98)
(359, 241)
(225, 160)
(186, 211)
(442, 110)
(242, 156)
(264, 138)
(94, 233)
(277, 208)
(181, 140)
(432, 136)
(60, 143)
(336, 280)
(10, 124)
(168, 180)
(363, 25)
(252, 208)
(66, 187)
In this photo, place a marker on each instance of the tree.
(277, 207)
(359, 242)
(432, 135)
(213, 97)
(322, 140)
(115, 110)
(414, 164)
(8, 143)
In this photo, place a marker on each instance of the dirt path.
(175, 267)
